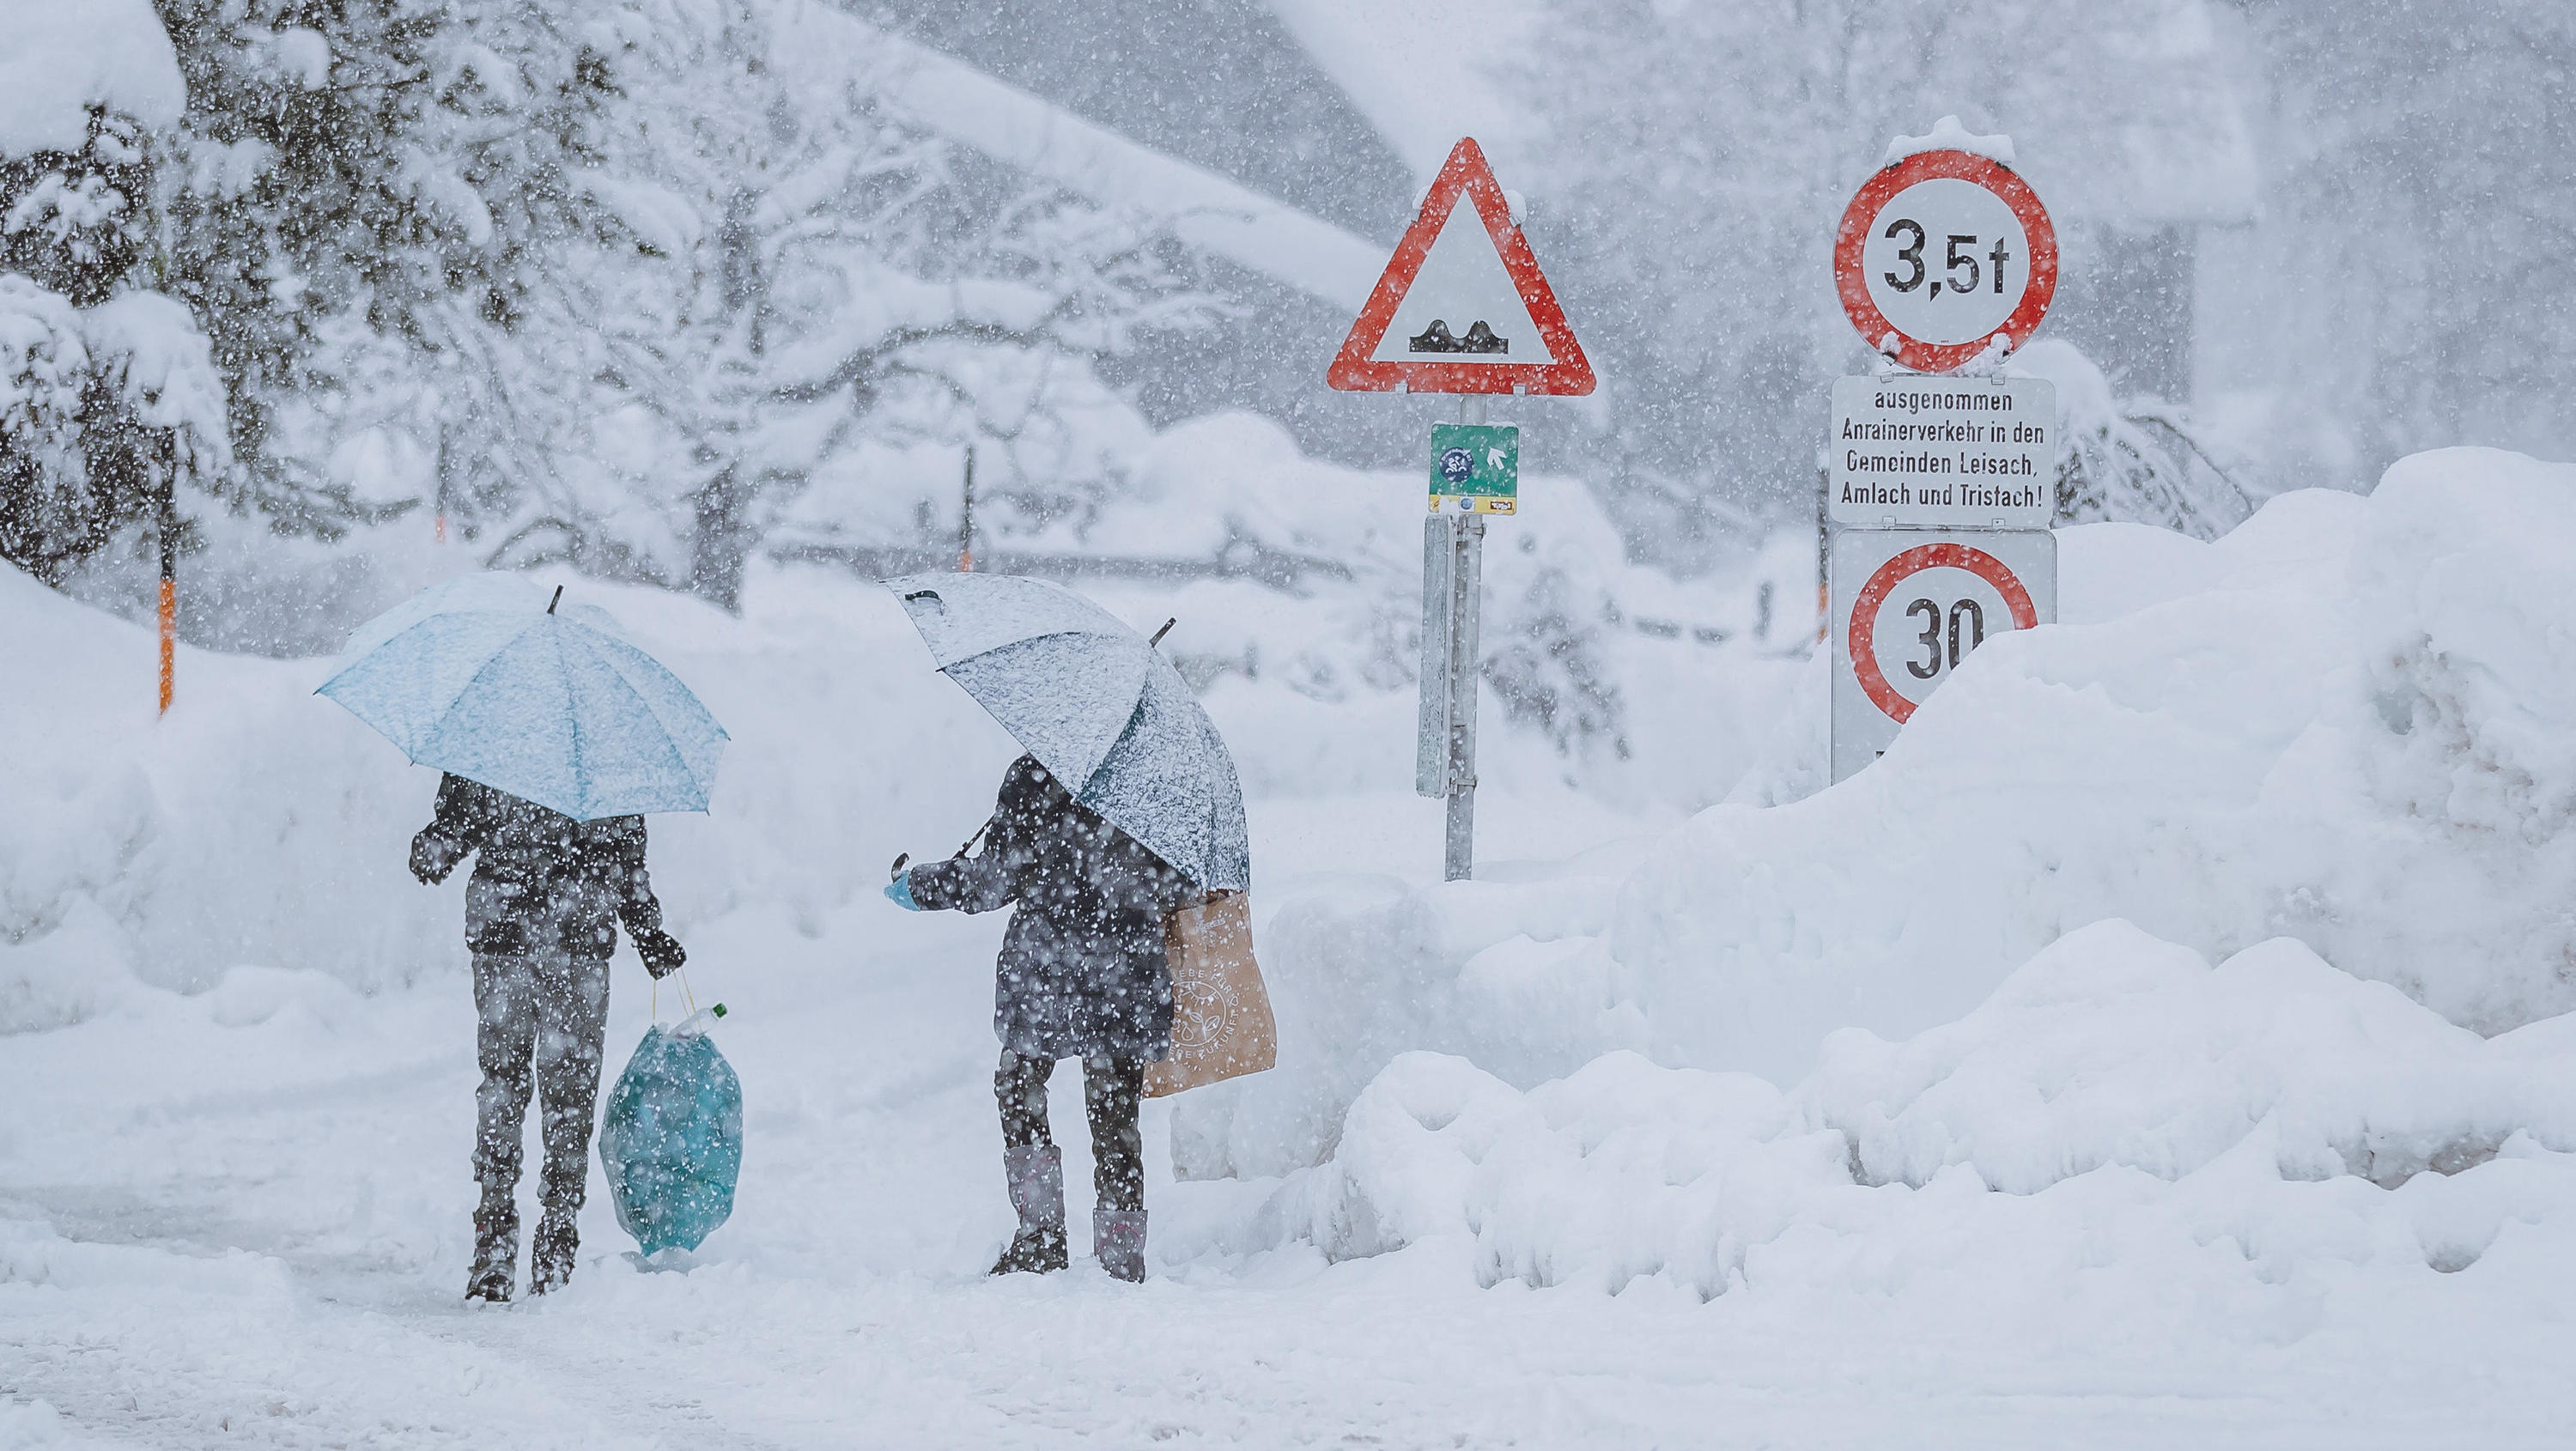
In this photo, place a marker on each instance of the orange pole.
(169, 639)
(438, 531)
(167, 527)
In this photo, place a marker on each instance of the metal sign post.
(1462, 308)
(1458, 580)
(966, 517)
(1439, 600)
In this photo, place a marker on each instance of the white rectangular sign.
(1908, 606)
(1920, 451)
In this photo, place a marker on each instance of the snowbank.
(59, 58)
(2146, 1118)
(2349, 722)
(259, 825)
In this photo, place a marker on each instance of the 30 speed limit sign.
(1941, 254)
(1909, 606)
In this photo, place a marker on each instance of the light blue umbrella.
(1098, 706)
(487, 678)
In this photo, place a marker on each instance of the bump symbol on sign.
(1438, 339)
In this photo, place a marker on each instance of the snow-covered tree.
(631, 286)
(801, 274)
(366, 184)
(108, 401)
(75, 220)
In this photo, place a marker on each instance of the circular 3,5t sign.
(1922, 612)
(1941, 253)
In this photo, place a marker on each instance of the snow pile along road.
(2349, 723)
(2147, 1119)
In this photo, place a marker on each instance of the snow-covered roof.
(827, 48)
(58, 58)
(1428, 71)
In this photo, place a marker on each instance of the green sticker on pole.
(1475, 468)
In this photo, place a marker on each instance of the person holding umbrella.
(555, 735)
(541, 915)
(1125, 809)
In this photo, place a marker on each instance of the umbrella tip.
(558, 599)
(1167, 629)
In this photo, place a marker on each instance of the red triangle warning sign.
(1462, 307)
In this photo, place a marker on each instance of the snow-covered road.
(240, 1219)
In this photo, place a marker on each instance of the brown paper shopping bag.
(1221, 1023)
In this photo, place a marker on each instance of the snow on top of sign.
(1948, 135)
(61, 58)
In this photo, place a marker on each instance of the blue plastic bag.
(672, 1140)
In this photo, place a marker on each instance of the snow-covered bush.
(2137, 460)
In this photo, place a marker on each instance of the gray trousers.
(1113, 1090)
(541, 1021)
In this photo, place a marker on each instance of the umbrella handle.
(896, 870)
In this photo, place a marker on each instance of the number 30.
(1962, 612)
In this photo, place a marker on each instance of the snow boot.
(550, 1254)
(1036, 1174)
(496, 1253)
(1118, 1238)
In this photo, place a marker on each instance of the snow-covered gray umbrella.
(1098, 706)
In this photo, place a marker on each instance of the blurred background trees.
(660, 287)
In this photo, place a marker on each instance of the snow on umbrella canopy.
(1098, 706)
(480, 678)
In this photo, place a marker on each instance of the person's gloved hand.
(899, 892)
(660, 951)
(429, 860)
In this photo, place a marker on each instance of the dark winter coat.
(542, 880)
(1082, 969)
